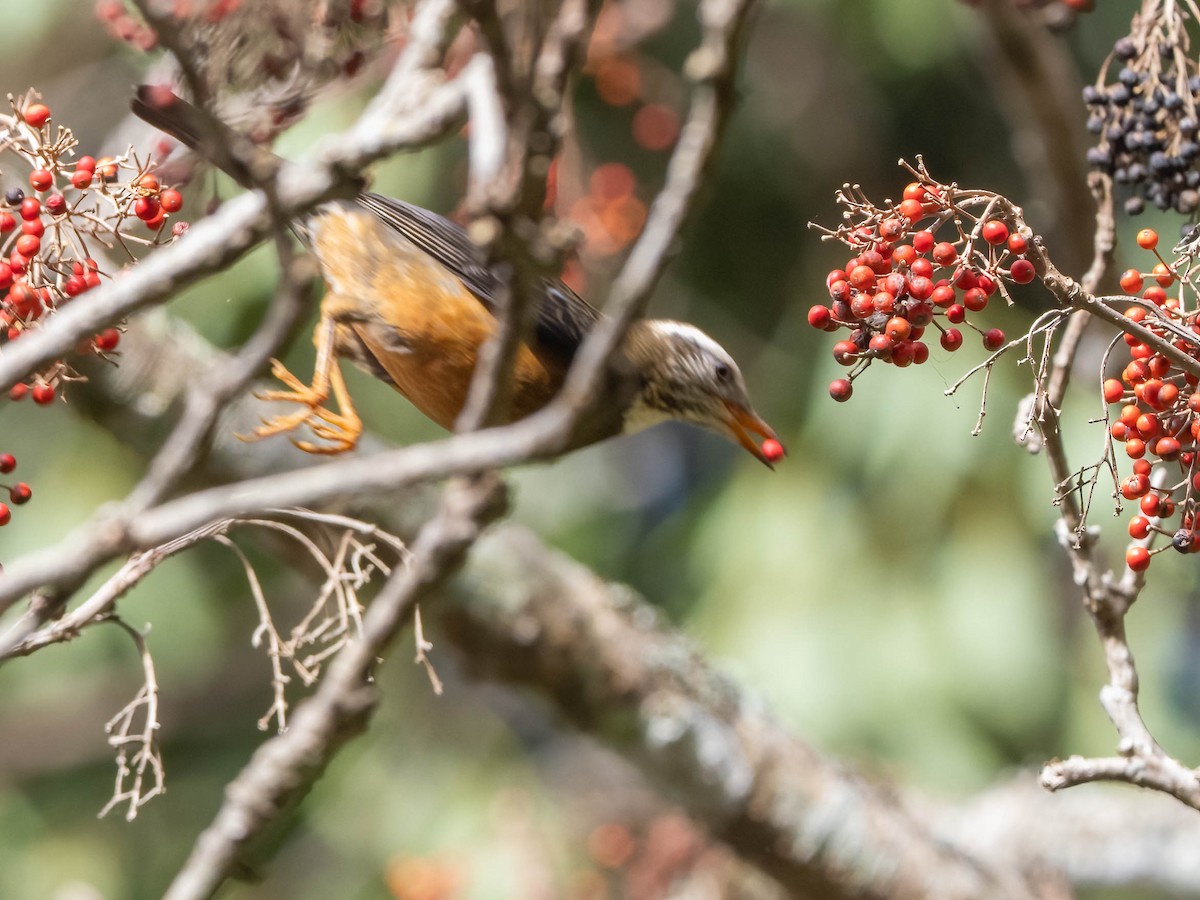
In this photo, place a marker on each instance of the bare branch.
(286, 765)
(140, 776)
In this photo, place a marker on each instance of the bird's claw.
(341, 430)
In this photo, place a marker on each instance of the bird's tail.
(219, 143)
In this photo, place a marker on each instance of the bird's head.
(686, 375)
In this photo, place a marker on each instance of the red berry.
(943, 296)
(951, 339)
(1155, 295)
(922, 241)
(171, 200)
(1147, 238)
(840, 389)
(1017, 243)
(862, 305)
(31, 208)
(845, 353)
(912, 210)
(107, 168)
(1139, 527)
(875, 260)
(1148, 426)
(884, 302)
(1114, 391)
(5, 514)
(819, 317)
(8, 462)
(920, 315)
(19, 493)
(7, 222)
(898, 328)
(146, 208)
(994, 232)
(1135, 448)
(1131, 281)
(881, 344)
(921, 267)
(86, 164)
(28, 245)
(944, 254)
(56, 205)
(18, 392)
(975, 299)
(891, 229)
(920, 287)
(1163, 275)
(772, 450)
(1136, 372)
(40, 179)
(903, 254)
(861, 277)
(36, 114)
(1167, 448)
(82, 178)
(1135, 487)
(993, 339)
(1138, 559)
(1022, 271)
(956, 314)
(107, 340)
(42, 394)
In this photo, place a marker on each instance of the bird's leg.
(341, 429)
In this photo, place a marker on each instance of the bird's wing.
(563, 317)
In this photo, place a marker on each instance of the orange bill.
(743, 425)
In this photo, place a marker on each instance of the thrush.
(410, 299)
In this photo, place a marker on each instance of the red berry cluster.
(1159, 418)
(73, 203)
(919, 263)
(18, 494)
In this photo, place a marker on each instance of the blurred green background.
(894, 590)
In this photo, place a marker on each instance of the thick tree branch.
(527, 616)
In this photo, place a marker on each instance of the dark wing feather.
(563, 317)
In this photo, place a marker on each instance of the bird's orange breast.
(414, 318)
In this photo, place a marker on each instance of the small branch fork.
(140, 777)
(333, 619)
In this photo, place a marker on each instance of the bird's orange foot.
(340, 430)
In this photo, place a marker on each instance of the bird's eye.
(722, 371)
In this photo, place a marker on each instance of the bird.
(411, 300)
